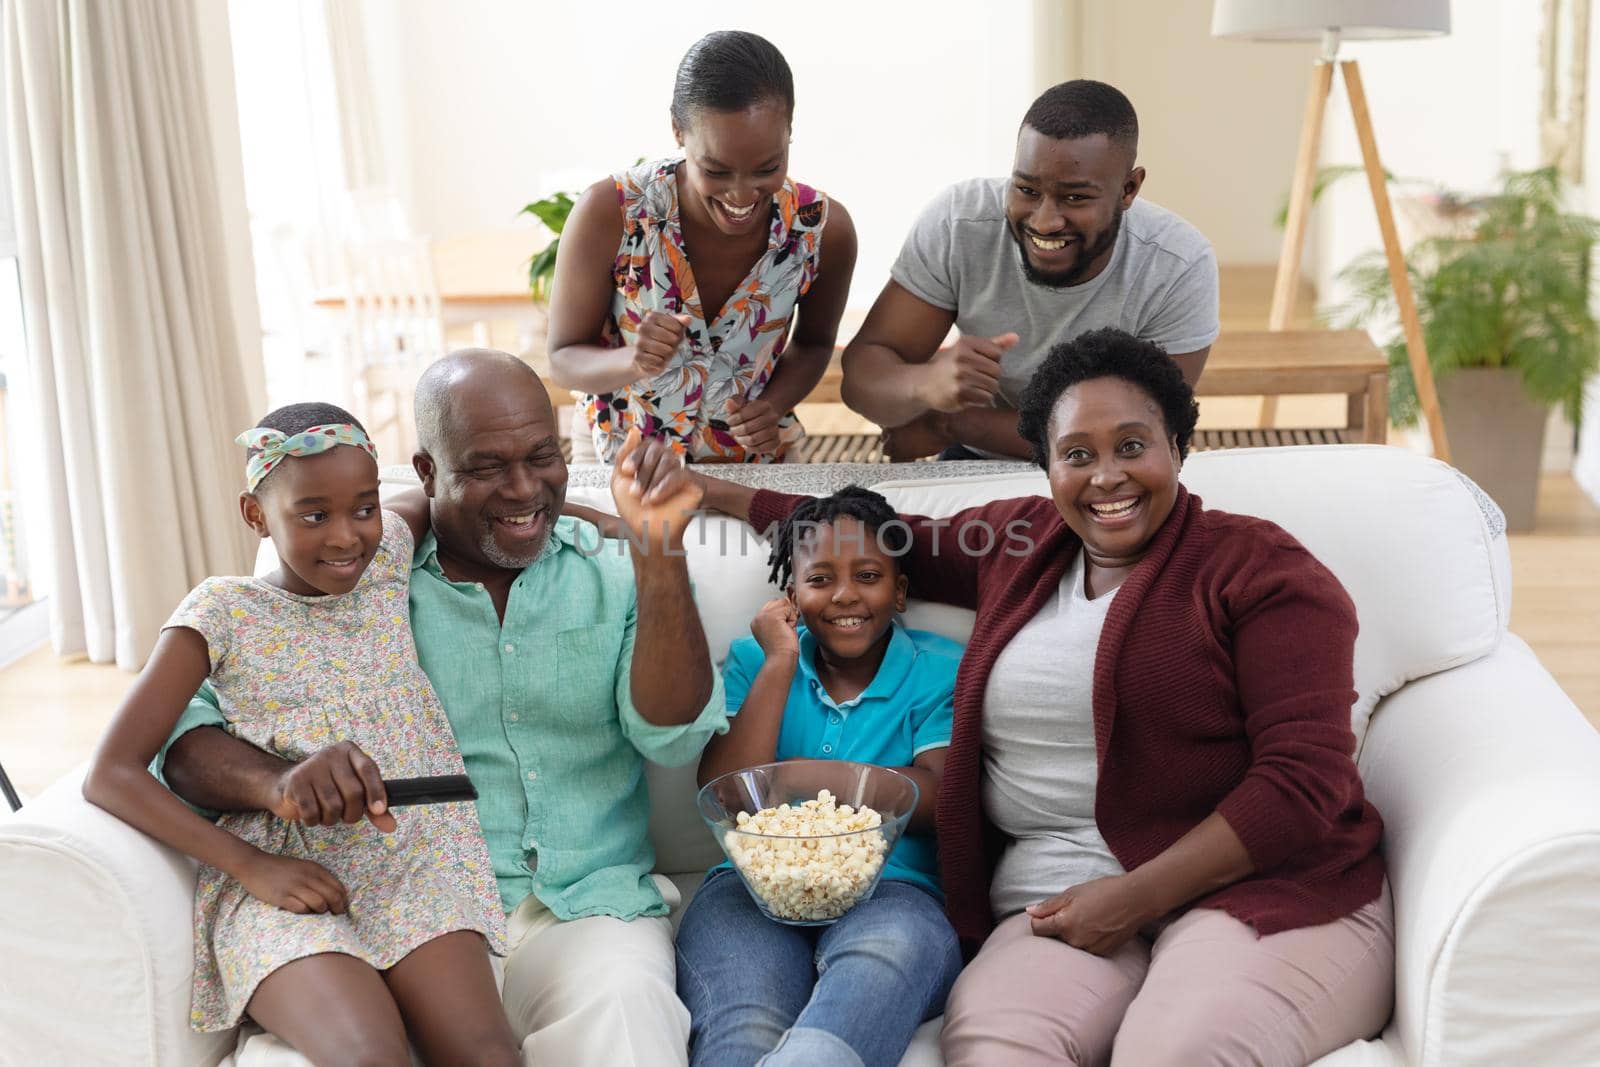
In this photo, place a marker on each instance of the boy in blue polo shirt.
(829, 673)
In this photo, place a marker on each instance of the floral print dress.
(733, 354)
(294, 674)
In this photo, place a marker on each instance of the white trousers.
(597, 992)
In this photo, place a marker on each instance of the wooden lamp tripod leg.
(1405, 299)
(1294, 231)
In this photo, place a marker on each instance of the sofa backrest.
(1420, 548)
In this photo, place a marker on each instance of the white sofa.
(1487, 776)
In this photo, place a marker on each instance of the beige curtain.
(131, 341)
(359, 140)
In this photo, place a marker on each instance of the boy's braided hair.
(867, 507)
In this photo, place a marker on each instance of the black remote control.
(439, 789)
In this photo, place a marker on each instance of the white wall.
(1454, 110)
(486, 105)
(1219, 120)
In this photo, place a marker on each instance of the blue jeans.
(849, 994)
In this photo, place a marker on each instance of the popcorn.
(801, 870)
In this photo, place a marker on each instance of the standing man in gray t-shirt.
(1019, 264)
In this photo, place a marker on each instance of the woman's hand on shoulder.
(1099, 916)
(775, 628)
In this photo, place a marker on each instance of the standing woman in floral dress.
(697, 297)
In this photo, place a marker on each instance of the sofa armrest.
(1488, 779)
(97, 940)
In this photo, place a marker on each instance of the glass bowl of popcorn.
(808, 837)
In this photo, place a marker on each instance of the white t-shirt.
(1039, 765)
(1160, 284)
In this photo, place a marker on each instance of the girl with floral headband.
(340, 937)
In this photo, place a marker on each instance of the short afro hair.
(298, 418)
(730, 70)
(1106, 353)
(869, 508)
(1084, 108)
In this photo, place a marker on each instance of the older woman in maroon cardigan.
(1150, 817)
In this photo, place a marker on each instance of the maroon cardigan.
(1222, 683)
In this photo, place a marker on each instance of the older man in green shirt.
(529, 635)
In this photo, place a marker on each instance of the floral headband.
(274, 445)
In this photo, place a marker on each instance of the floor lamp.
(1331, 21)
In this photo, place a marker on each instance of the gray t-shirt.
(1039, 764)
(1160, 285)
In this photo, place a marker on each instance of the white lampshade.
(1306, 20)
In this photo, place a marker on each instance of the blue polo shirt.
(906, 711)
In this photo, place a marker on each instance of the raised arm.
(580, 300)
(678, 679)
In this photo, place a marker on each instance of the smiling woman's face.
(734, 163)
(1113, 468)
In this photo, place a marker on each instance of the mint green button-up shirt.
(543, 712)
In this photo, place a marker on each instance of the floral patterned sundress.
(733, 355)
(294, 674)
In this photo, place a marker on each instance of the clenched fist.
(965, 375)
(753, 423)
(775, 627)
(656, 342)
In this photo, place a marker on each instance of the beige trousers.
(1206, 991)
(597, 992)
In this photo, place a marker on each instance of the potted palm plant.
(1503, 295)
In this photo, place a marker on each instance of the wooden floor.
(53, 711)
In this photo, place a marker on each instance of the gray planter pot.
(1496, 437)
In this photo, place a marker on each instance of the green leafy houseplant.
(1508, 287)
(552, 211)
